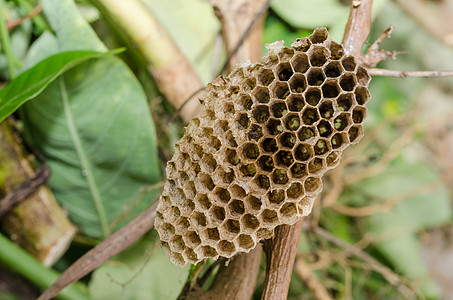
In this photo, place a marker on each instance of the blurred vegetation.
(389, 202)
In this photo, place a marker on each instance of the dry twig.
(304, 271)
(405, 74)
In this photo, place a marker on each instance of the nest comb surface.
(255, 156)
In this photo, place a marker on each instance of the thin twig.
(25, 189)
(305, 273)
(111, 246)
(36, 11)
(405, 74)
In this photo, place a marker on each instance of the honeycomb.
(255, 156)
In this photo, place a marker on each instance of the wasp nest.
(255, 156)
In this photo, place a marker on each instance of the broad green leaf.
(31, 82)
(138, 273)
(94, 127)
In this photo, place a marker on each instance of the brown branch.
(357, 28)
(405, 74)
(305, 273)
(36, 11)
(235, 281)
(25, 189)
(280, 252)
(111, 246)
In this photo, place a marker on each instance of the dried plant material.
(255, 156)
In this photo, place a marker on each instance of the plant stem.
(38, 20)
(21, 262)
(5, 41)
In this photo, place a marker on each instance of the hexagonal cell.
(288, 140)
(177, 243)
(301, 44)
(341, 122)
(217, 214)
(173, 214)
(245, 102)
(192, 239)
(222, 177)
(165, 247)
(321, 147)
(306, 133)
(208, 251)
(263, 181)
(269, 217)
(261, 113)
(231, 140)
(345, 102)
(295, 102)
(184, 162)
(318, 56)
(187, 207)
(245, 242)
(221, 196)
(211, 234)
(228, 108)
(319, 35)
(232, 157)
(312, 184)
(315, 77)
(358, 114)
(283, 71)
(354, 133)
(204, 183)
(261, 94)
(326, 109)
(310, 116)
(255, 132)
(166, 231)
(237, 191)
(332, 159)
(295, 190)
(336, 50)
(248, 170)
(362, 95)
(349, 63)
(264, 233)
(266, 77)
(250, 151)
(289, 212)
(313, 96)
(198, 219)
(324, 128)
(280, 176)
(243, 121)
(266, 163)
(234, 89)
(202, 201)
(270, 61)
(298, 83)
(333, 69)
(236, 208)
(182, 225)
(330, 89)
(300, 63)
(292, 122)
(269, 145)
(280, 90)
(250, 223)
(226, 248)
(214, 143)
(363, 77)
(274, 126)
(347, 82)
(252, 203)
(315, 166)
(303, 152)
(190, 255)
(276, 197)
(208, 164)
(231, 228)
(278, 109)
(177, 259)
(284, 158)
(285, 54)
(298, 170)
(339, 140)
(248, 85)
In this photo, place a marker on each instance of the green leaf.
(138, 273)
(94, 127)
(33, 81)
